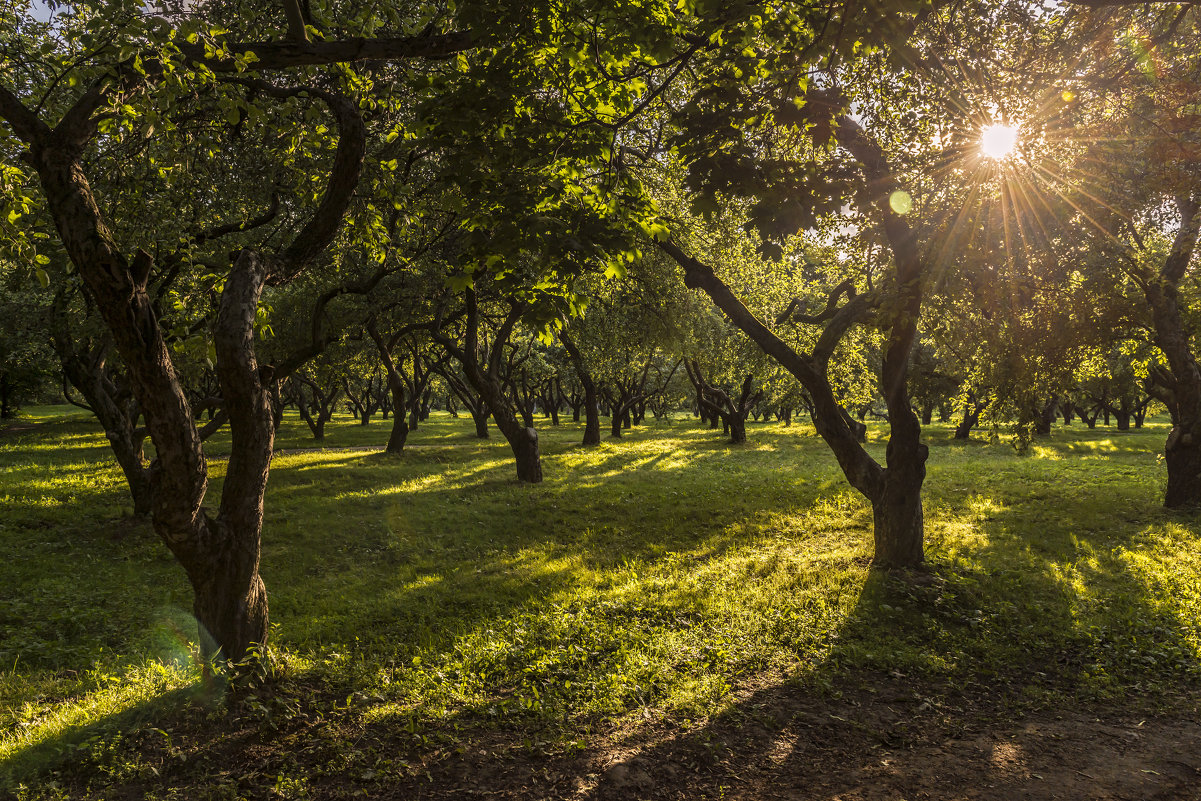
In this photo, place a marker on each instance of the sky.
(40, 11)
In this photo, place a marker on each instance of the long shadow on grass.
(1049, 606)
(1040, 612)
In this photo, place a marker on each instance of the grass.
(428, 600)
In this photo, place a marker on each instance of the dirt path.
(888, 745)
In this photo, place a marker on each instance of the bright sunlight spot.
(997, 141)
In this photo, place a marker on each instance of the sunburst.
(999, 141)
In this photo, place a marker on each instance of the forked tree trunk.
(485, 379)
(220, 555)
(396, 388)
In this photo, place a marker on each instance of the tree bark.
(592, 435)
(897, 516)
(481, 423)
(1183, 457)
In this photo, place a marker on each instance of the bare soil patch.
(781, 743)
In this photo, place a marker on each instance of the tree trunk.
(897, 518)
(737, 425)
(1179, 386)
(1183, 457)
(400, 428)
(230, 601)
(127, 446)
(481, 423)
(971, 417)
(221, 555)
(528, 455)
(7, 412)
(592, 435)
(857, 427)
(1043, 418)
(894, 491)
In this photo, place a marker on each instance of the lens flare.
(998, 141)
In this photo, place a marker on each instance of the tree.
(1137, 128)
(482, 359)
(62, 127)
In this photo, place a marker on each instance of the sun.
(997, 141)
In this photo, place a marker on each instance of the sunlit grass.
(650, 576)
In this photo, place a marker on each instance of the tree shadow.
(919, 694)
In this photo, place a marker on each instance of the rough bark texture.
(897, 517)
(1183, 460)
(231, 600)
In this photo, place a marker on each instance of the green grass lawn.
(430, 597)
